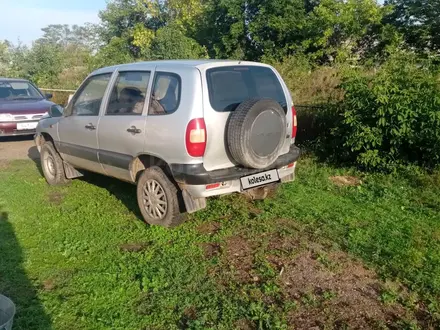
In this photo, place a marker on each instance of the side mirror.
(56, 111)
(48, 95)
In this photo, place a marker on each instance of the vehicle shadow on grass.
(15, 284)
(34, 155)
(123, 191)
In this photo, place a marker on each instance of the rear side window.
(231, 85)
(165, 97)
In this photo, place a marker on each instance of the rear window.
(231, 85)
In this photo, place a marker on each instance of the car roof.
(3, 79)
(200, 64)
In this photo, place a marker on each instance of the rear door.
(224, 88)
(121, 132)
(77, 130)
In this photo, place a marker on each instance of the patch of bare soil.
(56, 197)
(134, 247)
(209, 228)
(3, 164)
(330, 289)
(48, 285)
(345, 180)
(334, 290)
(244, 324)
(210, 250)
(239, 256)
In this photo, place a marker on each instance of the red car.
(21, 107)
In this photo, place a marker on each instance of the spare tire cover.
(256, 133)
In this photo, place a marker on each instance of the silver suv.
(181, 131)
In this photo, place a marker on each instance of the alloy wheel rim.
(49, 164)
(155, 200)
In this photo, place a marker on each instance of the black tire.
(168, 213)
(52, 165)
(256, 133)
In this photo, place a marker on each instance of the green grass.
(78, 257)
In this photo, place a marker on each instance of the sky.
(22, 20)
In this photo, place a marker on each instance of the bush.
(309, 84)
(171, 43)
(391, 117)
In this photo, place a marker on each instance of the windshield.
(18, 90)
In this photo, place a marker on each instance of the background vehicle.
(22, 105)
(181, 130)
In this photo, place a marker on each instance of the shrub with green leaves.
(391, 117)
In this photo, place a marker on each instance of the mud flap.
(71, 172)
(288, 178)
(193, 204)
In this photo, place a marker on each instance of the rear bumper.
(10, 129)
(195, 174)
(286, 174)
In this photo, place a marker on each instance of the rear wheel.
(158, 198)
(52, 165)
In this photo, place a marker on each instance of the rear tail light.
(294, 124)
(291, 165)
(196, 137)
(213, 186)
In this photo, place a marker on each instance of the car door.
(77, 130)
(121, 133)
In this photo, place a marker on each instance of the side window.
(89, 98)
(128, 94)
(165, 97)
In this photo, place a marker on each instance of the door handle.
(133, 130)
(90, 126)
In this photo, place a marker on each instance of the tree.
(116, 52)
(85, 36)
(418, 21)
(337, 28)
(5, 58)
(170, 43)
(44, 63)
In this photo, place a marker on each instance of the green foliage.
(337, 29)
(391, 117)
(418, 21)
(309, 84)
(44, 64)
(117, 51)
(171, 43)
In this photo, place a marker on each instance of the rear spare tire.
(256, 133)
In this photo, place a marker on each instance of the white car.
(181, 130)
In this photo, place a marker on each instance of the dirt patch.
(345, 180)
(56, 197)
(347, 295)
(4, 164)
(210, 250)
(209, 228)
(18, 147)
(238, 255)
(48, 285)
(189, 315)
(134, 247)
(244, 324)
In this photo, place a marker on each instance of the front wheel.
(158, 198)
(52, 165)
